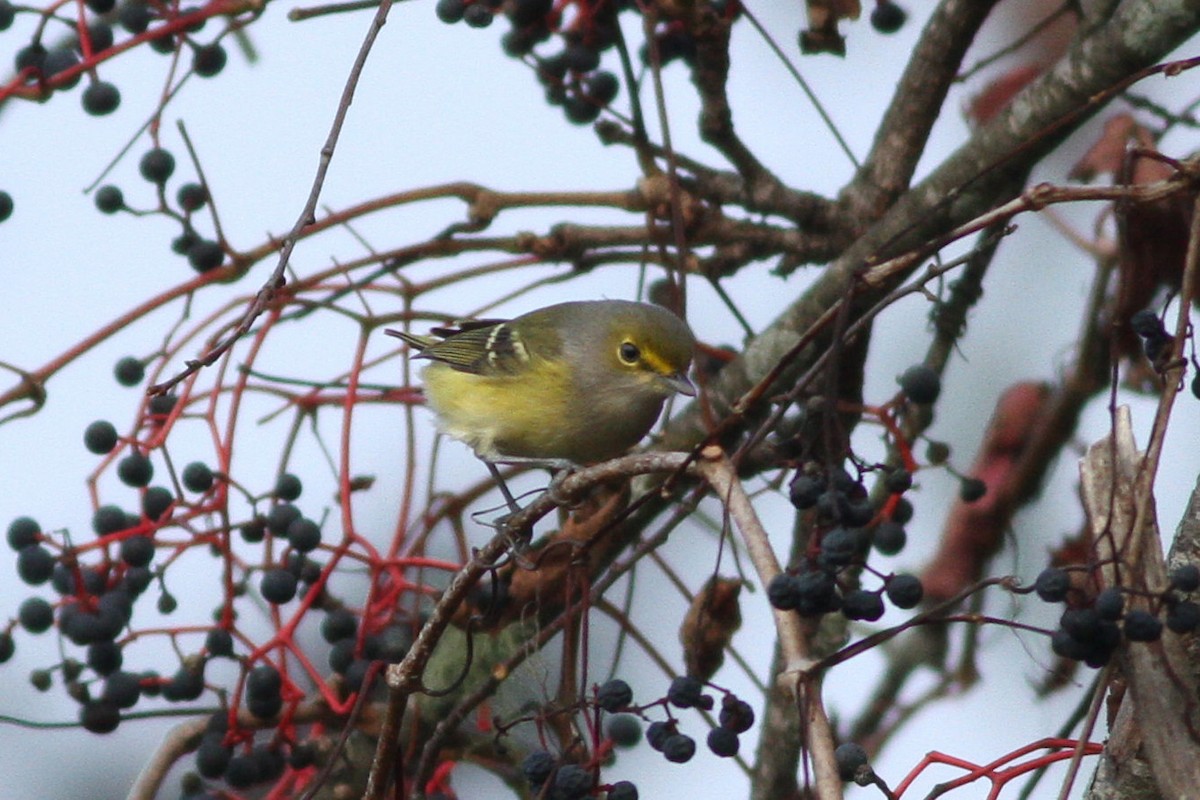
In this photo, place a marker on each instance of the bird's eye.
(629, 352)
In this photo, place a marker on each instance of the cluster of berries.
(1092, 626)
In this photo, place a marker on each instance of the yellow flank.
(504, 413)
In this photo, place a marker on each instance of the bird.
(573, 383)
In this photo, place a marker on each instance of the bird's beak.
(679, 383)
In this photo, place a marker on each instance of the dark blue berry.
(905, 591)
(921, 384)
(1052, 584)
(850, 758)
(100, 437)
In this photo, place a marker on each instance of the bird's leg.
(503, 487)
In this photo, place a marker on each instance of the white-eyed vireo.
(579, 382)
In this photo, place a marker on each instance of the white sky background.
(440, 103)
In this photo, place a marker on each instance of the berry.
(614, 695)
(136, 580)
(59, 60)
(129, 371)
(527, 12)
(7, 646)
(657, 734)
(971, 489)
(302, 755)
(723, 742)
(816, 593)
(7, 15)
(162, 404)
(921, 384)
(537, 767)
(157, 165)
(581, 58)
(622, 790)
(898, 481)
(1147, 325)
(805, 491)
(339, 624)
(208, 60)
(156, 501)
(35, 615)
(137, 551)
(100, 437)
(355, 674)
(937, 453)
(122, 688)
(623, 729)
(1142, 626)
(1052, 585)
(685, 692)
(101, 98)
(781, 592)
(101, 6)
(205, 255)
(392, 644)
(905, 591)
(104, 657)
(264, 707)
(862, 605)
(887, 17)
(184, 686)
(242, 771)
(164, 44)
(288, 488)
(304, 534)
(581, 110)
(903, 512)
(191, 196)
(135, 470)
(278, 586)
(31, 55)
(850, 758)
(109, 200)
(1185, 578)
(341, 656)
(219, 642)
(1085, 637)
(22, 532)
(271, 762)
(840, 547)
(602, 87)
(572, 782)
(450, 11)
(134, 16)
(889, 538)
(736, 715)
(108, 519)
(280, 517)
(100, 716)
(212, 757)
(99, 35)
(477, 15)
(679, 748)
(184, 241)
(255, 530)
(1110, 604)
(35, 564)
(1183, 617)
(197, 477)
